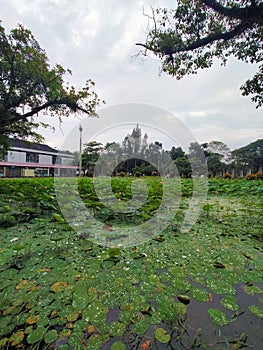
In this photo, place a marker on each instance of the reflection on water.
(197, 331)
(243, 323)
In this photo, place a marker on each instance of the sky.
(96, 40)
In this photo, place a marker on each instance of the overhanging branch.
(64, 101)
(203, 41)
(239, 29)
(15, 117)
(252, 13)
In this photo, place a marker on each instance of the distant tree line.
(136, 156)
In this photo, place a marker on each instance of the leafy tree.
(249, 157)
(183, 165)
(197, 159)
(113, 155)
(90, 155)
(215, 165)
(218, 156)
(176, 152)
(29, 85)
(188, 37)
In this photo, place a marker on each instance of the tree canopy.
(250, 156)
(190, 36)
(29, 85)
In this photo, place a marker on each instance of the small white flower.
(14, 239)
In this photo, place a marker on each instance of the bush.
(227, 176)
(121, 173)
(250, 177)
(259, 175)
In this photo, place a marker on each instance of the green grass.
(59, 289)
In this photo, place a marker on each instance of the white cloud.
(96, 39)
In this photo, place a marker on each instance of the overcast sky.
(96, 40)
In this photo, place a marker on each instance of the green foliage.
(188, 37)
(218, 316)
(118, 345)
(249, 157)
(91, 296)
(162, 336)
(29, 85)
(90, 155)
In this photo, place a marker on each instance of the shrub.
(122, 173)
(227, 176)
(250, 177)
(259, 175)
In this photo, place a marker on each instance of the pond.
(200, 289)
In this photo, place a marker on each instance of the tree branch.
(15, 117)
(252, 13)
(215, 37)
(204, 41)
(62, 101)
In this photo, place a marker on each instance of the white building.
(25, 159)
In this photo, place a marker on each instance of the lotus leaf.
(218, 316)
(73, 316)
(229, 302)
(36, 336)
(256, 310)
(118, 345)
(162, 336)
(51, 336)
(59, 286)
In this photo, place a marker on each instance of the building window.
(32, 158)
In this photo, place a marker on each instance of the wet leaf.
(159, 239)
(218, 316)
(57, 218)
(200, 294)
(184, 299)
(44, 270)
(36, 336)
(252, 290)
(33, 319)
(91, 329)
(145, 345)
(17, 338)
(73, 316)
(51, 336)
(27, 285)
(229, 302)
(118, 345)
(113, 252)
(3, 342)
(256, 310)
(162, 336)
(219, 265)
(59, 286)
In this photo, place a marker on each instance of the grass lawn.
(72, 284)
